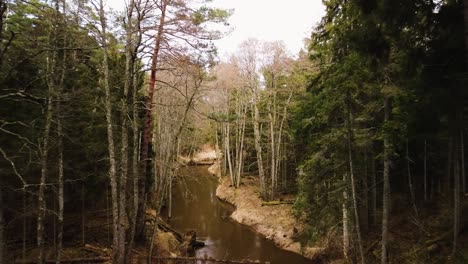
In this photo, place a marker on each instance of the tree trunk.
(449, 164)
(425, 170)
(456, 195)
(83, 216)
(258, 146)
(465, 17)
(410, 181)
(353, 184)
(60, 192)
(25, 225)
(169, 198)
(148, 121)
(346, 238)
(61, 177)
(462, 160)
(240, 162)
(2, 227)
(135, 167)
(373, 187)
(124, 135)
(228, 151)
(386, 185)
(153, 238)
(365, 194)
(44, 171)
(110, 139)
(272, 154)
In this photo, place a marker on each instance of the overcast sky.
(267, 20)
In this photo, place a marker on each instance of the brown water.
(195, 206)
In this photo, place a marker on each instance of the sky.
(266, 20)
(270, 20)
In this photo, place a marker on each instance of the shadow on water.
(195, 206)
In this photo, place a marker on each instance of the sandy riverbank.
(274, 222)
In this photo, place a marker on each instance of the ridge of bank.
(276, 223)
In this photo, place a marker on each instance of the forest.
(359, 138)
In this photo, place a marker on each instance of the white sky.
(266, 20)
(269, 20)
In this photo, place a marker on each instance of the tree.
(179, 22)
(118, 250)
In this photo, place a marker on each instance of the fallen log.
(166, 228)
(97, 250)
(443, 237)
(211, 260)
(278, 202)
(75, 260)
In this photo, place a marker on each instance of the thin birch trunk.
(410, 181)
(50, 78)
(257, 139)
(124, 134)
(279, 142)
(373, 188)
(272, 118)
(110, 138)
(462, 154)
(61, 176)
(425, 170)
(273, 154)
(386, 186)
(365, 193)
(60, 190)
(135, 167)
(241, 147)
(228, 152)
(353, 186)
(136, 137)
(44, 157)
(346, 238)
(153, 238)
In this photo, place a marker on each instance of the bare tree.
(51, 62)
(162, 5)
(102, 39)
(276, 65)
(248, 58)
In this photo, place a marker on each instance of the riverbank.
(275, 222)
(205, 156)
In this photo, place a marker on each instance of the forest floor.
(90, 238)
(276, 221)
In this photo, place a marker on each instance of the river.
(195, 206)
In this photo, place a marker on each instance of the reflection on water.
(195, 206)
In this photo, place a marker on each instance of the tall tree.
(117, 254)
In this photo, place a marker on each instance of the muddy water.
(195, 206)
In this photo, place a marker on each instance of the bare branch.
(13, 166)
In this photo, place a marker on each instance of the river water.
(196, 207)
